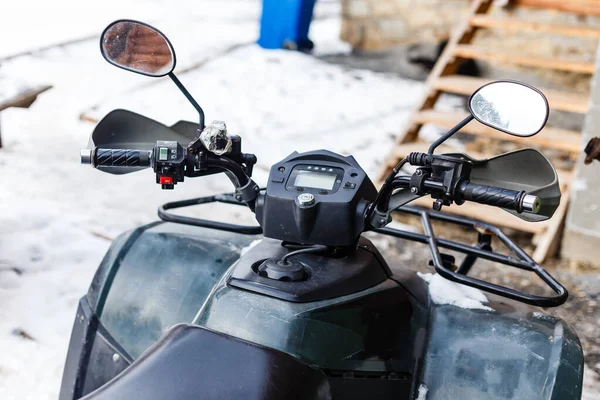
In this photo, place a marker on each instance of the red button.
(166, 180)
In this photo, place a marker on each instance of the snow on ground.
(34, 24)
(56, 214)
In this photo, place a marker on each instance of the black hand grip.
(493, 196)
(122, 158)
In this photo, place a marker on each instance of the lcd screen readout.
(317, 180)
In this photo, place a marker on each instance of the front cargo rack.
(443, 263)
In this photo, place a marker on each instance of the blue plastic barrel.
(285, 24)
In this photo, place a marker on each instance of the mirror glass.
(511, 107)
(137, 47)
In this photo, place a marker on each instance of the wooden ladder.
(443, 79)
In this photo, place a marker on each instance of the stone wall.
(582, 232)
(377, 24)
(381, 24)
(385, 24)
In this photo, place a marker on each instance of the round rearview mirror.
(511, 107)
(137, 47)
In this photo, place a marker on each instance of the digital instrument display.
(163, 154)
(317, 180)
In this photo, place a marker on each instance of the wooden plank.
(554, 138)
(512, 24)
(547, 243)
(24, 98)
(84, 117)
(478, 53)
(583, 7)
(558, 100)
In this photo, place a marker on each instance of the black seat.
(190, 362)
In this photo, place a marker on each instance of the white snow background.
(56, 214)
(55, 211)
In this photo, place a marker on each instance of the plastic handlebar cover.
(122, 158)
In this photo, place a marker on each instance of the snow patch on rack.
(543, 317)
(422, 394)
(443, 291)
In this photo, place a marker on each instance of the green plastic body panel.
(165, 274)
(508, 354)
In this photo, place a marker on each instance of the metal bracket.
(417, 180)
(380, 219)
(248, 192)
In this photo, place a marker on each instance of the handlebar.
(499, 197)
(482, 194)
(171, 170)
(117, 158)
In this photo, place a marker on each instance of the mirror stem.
(451, 132)
(189, 97)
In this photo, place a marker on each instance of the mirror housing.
(511, 107)
(137, 47)
(527, 170)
